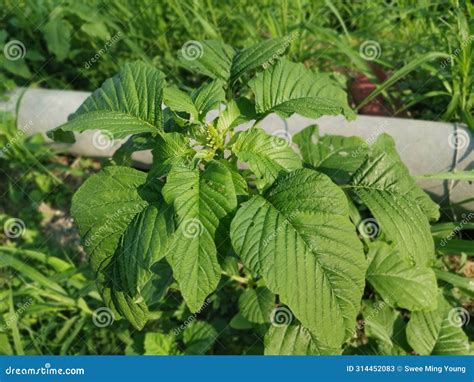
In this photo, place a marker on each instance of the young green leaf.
(256, 305)
(298, 237)
(287, 88)
(335, 155)
(292, 339)
(198, 337)
(439, 332)
(400, 207)
(200, 199)
(267, 156)
(128, 103)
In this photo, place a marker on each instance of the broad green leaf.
(211, 58)
(335, 155)
(157, 343)
(262, 53)
(104, 206)
(239, 322)
(128, 103)
(208, 97)
(156, 288)
(143, 244)
(267, 156)
(199, 337)
(180, 101)
(256, 305)
(171, 149)
(236, 113)
(400, 207)
(292, 339)
(220, 61)
(401, 284)
(57, 33)
(439, 332)
(200, 199)
(298, 237)
(287, 88)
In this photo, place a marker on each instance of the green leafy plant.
(318, 234)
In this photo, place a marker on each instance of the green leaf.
(439, 332)
(104, 206)
(143, 244)
(57, 33)
(287, 88)
(200, 200)
(262, 53)
(400, 283)
(198, 337)
(290, 340)
(211, 58)
(202, 100)
(298, 237)
(335, 155)
(267, 156)
(220, 61)
(208, 97)
(385, 325)
(400, 207)
(128, 103)
(256, 305)
(157, 343)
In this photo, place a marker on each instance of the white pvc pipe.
(425, 147)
